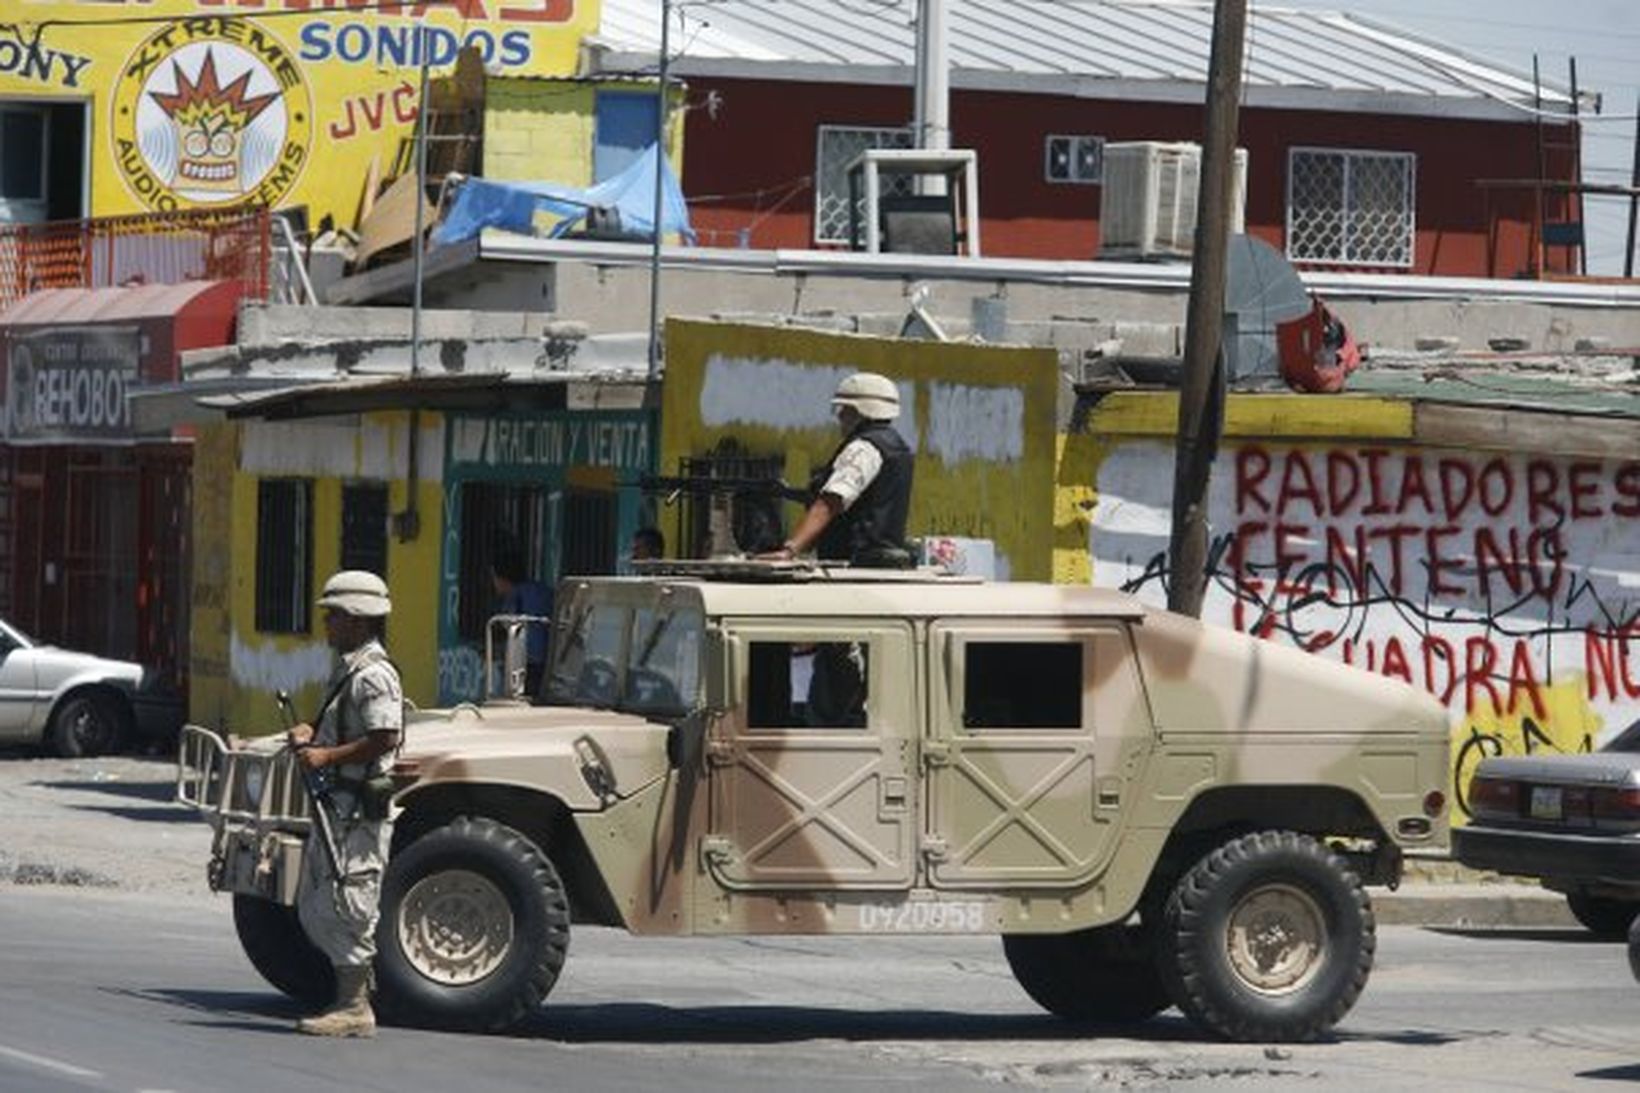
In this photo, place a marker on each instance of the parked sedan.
(1571, 820)
(77, 704)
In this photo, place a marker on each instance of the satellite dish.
(1262, 291)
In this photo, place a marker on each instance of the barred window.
(496, 517)
(1350, 207)
(838, 145)
(284, 555)
(364, 527)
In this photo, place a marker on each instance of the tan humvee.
(1149, 811)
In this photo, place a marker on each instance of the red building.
(1368, 149)
(94, 515)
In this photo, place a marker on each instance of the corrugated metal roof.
(1123, 48)
(104, 305)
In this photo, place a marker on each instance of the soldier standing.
(863, 494)
(359, 728)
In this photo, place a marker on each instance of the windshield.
(1627, 741)
(643, 660)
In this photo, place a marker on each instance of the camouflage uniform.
(341, 919)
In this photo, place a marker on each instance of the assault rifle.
(318, 794)
(738, 519)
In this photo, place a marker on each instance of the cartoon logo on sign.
(210, 111)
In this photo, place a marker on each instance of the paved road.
(114, 990)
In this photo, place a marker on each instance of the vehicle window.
(1022, 685)
(663, 666)
(792, 685)
(1627, 741)
(587, 658)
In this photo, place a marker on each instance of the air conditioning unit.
(1149, 205)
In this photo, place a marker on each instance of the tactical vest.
(871, 532)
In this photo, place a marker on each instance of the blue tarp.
(516, 206)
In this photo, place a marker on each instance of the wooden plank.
(1529, 431)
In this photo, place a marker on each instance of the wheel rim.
(455, 927)
(85, 728)
(1277, 939)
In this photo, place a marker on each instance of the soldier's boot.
(350, 1014)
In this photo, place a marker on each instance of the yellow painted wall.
(544, 130)
(236, 670)
(297, 102)
(982, 418)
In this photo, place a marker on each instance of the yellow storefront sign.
(199, 103)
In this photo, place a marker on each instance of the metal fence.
(149, 248)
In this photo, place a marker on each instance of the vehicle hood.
(1202, 678)
(1597, 768)
(56, 667)
(540, 748)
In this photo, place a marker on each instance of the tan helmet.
(873, 396)
(357, 592)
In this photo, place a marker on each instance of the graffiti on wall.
(1508, 586)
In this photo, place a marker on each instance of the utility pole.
(931, 119)
(418, 246)
(1201, 408)
(661, 109)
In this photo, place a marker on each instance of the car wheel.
(86, 725)
(1269, 937)
(279, 949)
(1604, 917)
(474, 928)
(1105, 975)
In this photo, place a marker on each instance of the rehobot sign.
(70, 384)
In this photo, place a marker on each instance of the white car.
(77, 704)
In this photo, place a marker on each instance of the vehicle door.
(1037, 730)
(813, 775)
(19, 690)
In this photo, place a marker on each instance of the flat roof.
(842, 592)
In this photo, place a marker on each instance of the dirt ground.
(108, 823)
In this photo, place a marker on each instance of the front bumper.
(1612, 859)
(157, 715)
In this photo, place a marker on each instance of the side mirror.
(721, 661)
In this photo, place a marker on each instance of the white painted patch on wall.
(356, 448)
(782, 395)
(265, 667)
(968, 422)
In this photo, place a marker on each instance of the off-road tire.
(1105, 975)
(86, 725)
(279, 949)
(474, 928)
(1606, 918)
(1270, 937)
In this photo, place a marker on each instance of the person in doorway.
(517, 593)
(357, 730)
(647, 544)
(863, 494)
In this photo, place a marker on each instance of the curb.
(1480, 905)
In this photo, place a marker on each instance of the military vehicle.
(1147, 810)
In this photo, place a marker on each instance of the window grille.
(1074, 159)
(1351, 208)
(284, 555)
(589, 532)
(838, 145)
(493, 515)
(364, 527)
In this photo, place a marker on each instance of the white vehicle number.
(925, 916)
